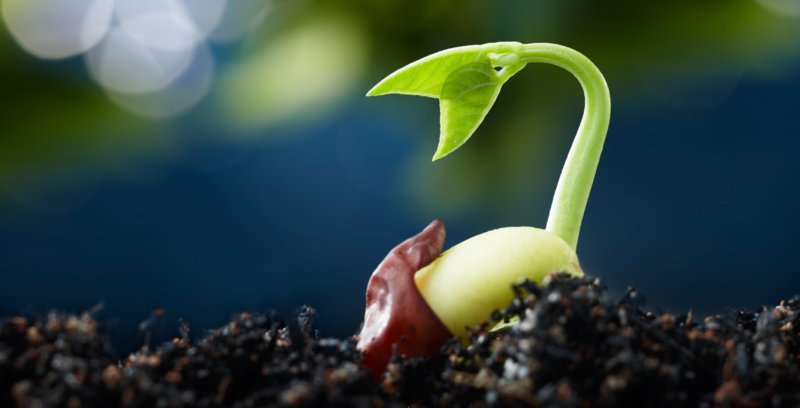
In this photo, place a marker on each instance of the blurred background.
(215, 156)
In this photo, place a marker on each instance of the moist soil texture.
(573, 346)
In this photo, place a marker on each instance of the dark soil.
(576, 346)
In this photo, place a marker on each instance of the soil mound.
(573, 346)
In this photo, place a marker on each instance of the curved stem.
(572, 192)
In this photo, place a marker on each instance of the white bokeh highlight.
(178, 97)
(203, 15)
(150, 56)
(53, 29)
(239, 18)
(124, 63)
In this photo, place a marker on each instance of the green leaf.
(425, 77)
(467, 96)
(465, 79)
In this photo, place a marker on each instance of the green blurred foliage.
(511, 164)
(296, 74)
(53, 120)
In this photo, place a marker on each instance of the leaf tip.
(378, 89)
(441, 152)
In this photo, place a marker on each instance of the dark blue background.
(699, 209)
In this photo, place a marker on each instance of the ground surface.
(575, 346)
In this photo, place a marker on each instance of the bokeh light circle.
(161, 31)
(203, 15)
(54, 29)
(240, 17)
(176, 98)
(127, 64)
(127, 9)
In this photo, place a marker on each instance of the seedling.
(418, 300)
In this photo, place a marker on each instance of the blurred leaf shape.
(467, 96)
(299, 74)
(426, 76)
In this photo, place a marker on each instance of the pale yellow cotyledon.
(465, 284)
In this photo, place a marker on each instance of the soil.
(574, 346)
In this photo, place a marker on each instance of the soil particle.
(573, 346)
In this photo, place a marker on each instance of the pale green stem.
(572, 192)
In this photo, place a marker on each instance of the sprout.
(465, 284)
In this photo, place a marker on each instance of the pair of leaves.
(465, 81)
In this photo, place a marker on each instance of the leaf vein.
(485, 84)
(419, 68)
(465, 114)
(431, 75)
(461, 82)
(482, 72)
(457, 60)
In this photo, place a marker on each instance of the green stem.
(572, 192)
